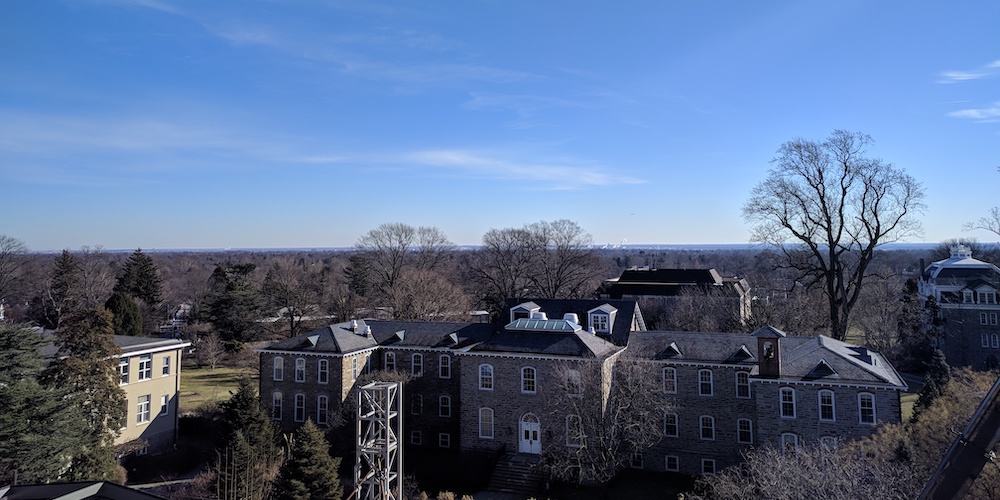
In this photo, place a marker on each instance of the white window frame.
(744, 431)
(984, 340)
(416, 364)
(993, 319)
(390, 361)
(667, 425)
(786, 406)
(300, 408)
(994, 340)
(444, 366)
(706, 381)
(123, 365)
(706, 422)
(165, 371)
(142, 415)
(145, 367)
(670, 380)
(277, 402)
(485, 377)
(967, 296)
(444, 440)
(828, 442)
(743, 386)
(529, 383)
(164, 405)
(866, 411)
(322, 409)
(300, 369)
(984, 319)
(789, 439)
(676, 467)
(486, 423)
(278, 373)
(323, 371)
(444, 406)
(708, 467)
(832, 405)
(601, 322)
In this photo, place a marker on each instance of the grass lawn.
(200, 386)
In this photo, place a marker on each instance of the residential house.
(149, 371)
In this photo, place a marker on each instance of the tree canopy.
(826, 206)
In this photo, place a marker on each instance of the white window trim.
(444, 403)
(390, 361)
(164, 405)
(278, 373)
(781, 402)
(444, 440)
(833, 405)
(533, 380)
(486, 380)
(166, 367)
(143, 413)
(861, 419)
(277, 405)
(300, 373)
(416, 364)
(444, 364)
(677, 425)
(704, 463)
(666, 463)
(322, 409)
(145, 371)
(672, 378)
(746, 385)
(295, 402)
(323, 371)
(711, 383)
(492, 433)
(702, 427)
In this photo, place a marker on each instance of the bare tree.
(826, 207)
(12, 260)
(502, 266)
(96, 275)
(293, 290)
(426, 295)
(391, 247)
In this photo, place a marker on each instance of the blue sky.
(162, 124)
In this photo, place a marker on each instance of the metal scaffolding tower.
(378, 470)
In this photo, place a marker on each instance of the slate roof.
(341, 339)
(580, 344)
(557, 308)
(802, 358)
(73, 491)
(670, 282)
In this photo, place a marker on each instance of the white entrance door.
(530, 441)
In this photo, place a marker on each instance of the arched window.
(417, 365)
(444, 366)
(486, 423)
(300, 370)
(528, 380)
(787, 402)
(323, 371)
(300, 407)
(279, 368)
(827, 408)
(866, 408)
(789, 442)
(276, 403)
(322, 409)
(486, 377)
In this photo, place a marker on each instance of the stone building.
(966, 291)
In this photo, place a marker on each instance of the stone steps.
(518, 474)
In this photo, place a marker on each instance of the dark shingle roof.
(558, 308)
(347, 337)
(579, 344)
(338, 338)
(75, 491)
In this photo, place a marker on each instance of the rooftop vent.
(572, 317)
(354, 325)
(366, 332)
(539, 315)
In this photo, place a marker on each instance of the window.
(528, 380)
(826, 406)
(708, 466)
(390, 361)
(142, 410)
(574, 431)
(416, 437)
(485, 377)
(417, 366)
(866, 408)
(789, 442)
(300, 408)
(444, 366)
(967, 296)
(828, 443)
(787, 402)
(368, 363)
(416, 404)
(743, 384)
(166, 366)
(354, 368)
(670, 425)
(123, 371)
(994, 341)
(486, 423)
(300, 370)
(983, 319)
(670, 380)
(145, 367)
(322, 409)
(985, 339)
(444, 406)
(744, 430)
(574, 383)
(323, 371)
(276, 405)
(707, 427)
(279, 368)
(636, 460)
(444, 440)
(705, 382)
(672, 463)
(993, 318)
(987, 298)
(164, 404)
(599, 322)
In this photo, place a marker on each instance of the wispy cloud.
(985, 71)
(523, 105)
(149, 4)
(988, 114)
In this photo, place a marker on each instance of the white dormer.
(602, 318)
(524, 311)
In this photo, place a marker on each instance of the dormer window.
(601, 318)
(987, 298)
(599, 322)
(967, 296)
(523, 311)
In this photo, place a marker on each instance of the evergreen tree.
(233, 305)
(36, 428)
(140, 278)
(127, 317)
(309, 473)
(249, 458)
(937, 376)
(87, 367)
